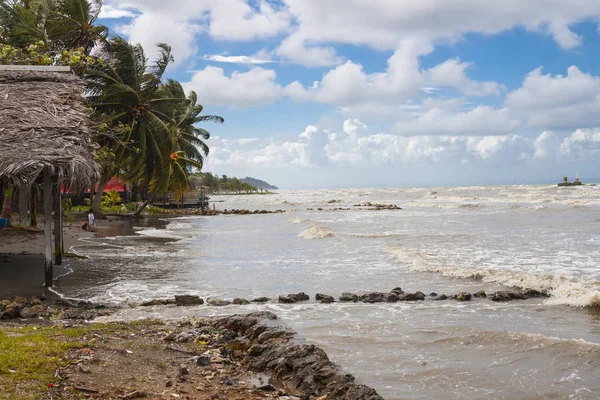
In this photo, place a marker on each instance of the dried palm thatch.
(44, 129)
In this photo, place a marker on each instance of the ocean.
(444, 240)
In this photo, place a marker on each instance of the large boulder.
(348, 297)
(218, 302)
(10, 312)
(159, 302)
(504, 295)
(463, 296)
(481, 294)
(239, 301)
(412, 296)
(374, 297)
(293, 298)
(188, 300)
(397, 291)
(326, 299)
(441, 297)
(261, 300)
(532, 293)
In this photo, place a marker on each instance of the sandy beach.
(22, 259)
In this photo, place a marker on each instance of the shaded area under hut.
(45, 139)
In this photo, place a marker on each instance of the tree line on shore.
(216, 184)
(144, 124)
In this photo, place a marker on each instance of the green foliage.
(67, 204)
(225, 184)
(111, 198)
(54, 25)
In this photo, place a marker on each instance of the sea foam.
(316, 232)
(563, 290)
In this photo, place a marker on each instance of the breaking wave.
(159, 233)
(297, 220)
(563, 290)
(316, 232)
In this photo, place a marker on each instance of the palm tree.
(23, 23)
(127, 93)
(71, 25)
(59, 24)
(189, 137)
(187, 147)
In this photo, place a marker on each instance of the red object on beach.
(113, 183)
(51, 385)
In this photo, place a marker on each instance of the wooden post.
(33, 205)
(48, 229)
(23, 205)
(57, 207)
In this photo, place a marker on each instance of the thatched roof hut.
(45, 136)
(44, 129)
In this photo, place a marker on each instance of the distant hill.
(259, 184)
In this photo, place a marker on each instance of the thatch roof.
(44, 127)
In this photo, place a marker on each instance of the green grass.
(30, 355)
(33, 355)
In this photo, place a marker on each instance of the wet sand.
(22, 255)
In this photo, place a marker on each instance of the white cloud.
(109, 12)
(546, 145)
(348, 84)
(355, 146)
(250, 60)
(480, 121)
(179, 22)
(297, 50)
(236, 20)
(149, 29)
(240, 89)
(558, 102)
(583, 144)
(342, 156)
(452, 73)
(382, 24)
(314, 26)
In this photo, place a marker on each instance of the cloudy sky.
(356, 93)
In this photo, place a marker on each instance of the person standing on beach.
(91, 220)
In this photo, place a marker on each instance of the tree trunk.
(6, 204)
(97, 198)
(57, 207)
(33, 206)
(48, 229)
(149, 200)
(23, 200)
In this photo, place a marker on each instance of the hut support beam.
(48, 229)
(23, 205)
(33, 205)
(58, 228)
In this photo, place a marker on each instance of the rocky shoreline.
(60, 309)
(217, 347)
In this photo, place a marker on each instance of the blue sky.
(387, 92)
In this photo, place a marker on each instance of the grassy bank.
(30, 356)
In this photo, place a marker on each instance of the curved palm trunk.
(98, 195)
(145, 204)
(6, 204)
